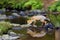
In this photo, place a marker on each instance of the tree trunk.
(57, 34)
(48, 2)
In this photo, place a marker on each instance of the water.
(28, 37)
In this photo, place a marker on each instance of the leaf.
(54, 7)
(58, 8)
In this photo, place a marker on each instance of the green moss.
(4, 26)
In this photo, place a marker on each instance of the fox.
(35, 18)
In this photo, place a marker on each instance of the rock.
(16, 28)
(11, 33)
(14, 11)
(37, 11)
(15, 24)
(15, 14)
(25, 25)
(0, 37)
(10, 17)
(1, 11)
(13, 38)
(8, 37)
(30, 14)
(5, 37)
(3, 17)
(22, 13)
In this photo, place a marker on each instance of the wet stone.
(16, 28)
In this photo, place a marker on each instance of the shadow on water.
(18, 20)
(28, 37)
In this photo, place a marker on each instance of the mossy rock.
(4, 26)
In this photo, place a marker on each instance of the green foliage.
(36, 4)
(58, 8)
(22, 3)
(52, 7)
(55, 19)
(4, 26)
(12, 3)
(55, 7)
